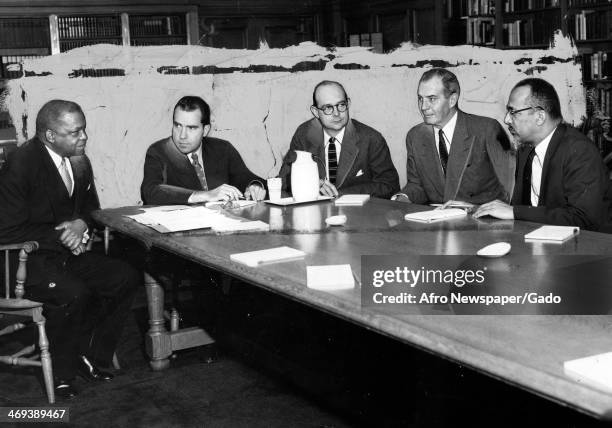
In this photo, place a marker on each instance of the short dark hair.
(51, 112)
(543, 95)
(326, 83)
(449, 80)
(192, 103)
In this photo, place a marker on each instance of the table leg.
(157, 341)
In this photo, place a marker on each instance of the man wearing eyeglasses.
(47, 194)
(454, 156)
(352, 157)
(560, 177)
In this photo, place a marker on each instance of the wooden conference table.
(524, 350)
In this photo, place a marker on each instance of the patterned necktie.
(527, 178)
(199, 171)
(65, 174)
(443, 151)
(536, 179)
(332, 160)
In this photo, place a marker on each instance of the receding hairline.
(327, 83)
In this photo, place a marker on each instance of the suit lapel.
(348, 154)
(179, 162)
(316, 145)
(56, 193)
(553, 146)
(461, 147)
(428, 152)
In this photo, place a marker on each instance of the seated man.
(190, 167)
(352, 157)
(47, 194)
(453, 155)
(560, 177)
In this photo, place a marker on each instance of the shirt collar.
(449, 128)
(197, 152)
(57, 159)
(541, 148)
(338, 137)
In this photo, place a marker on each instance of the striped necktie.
(332, 160)
(199, 171)
(65, 174)
(443, 151)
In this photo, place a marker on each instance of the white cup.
(274, 188)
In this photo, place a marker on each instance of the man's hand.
(224, 192)
(80, 249)
(497, 209)
(327, 189)
(401, 198)
(255, 191)
(72, 233)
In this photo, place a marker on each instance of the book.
(352, 200)
(552, 233)
(594, 371)
(330, 277)
(436, 215)
(270, 255)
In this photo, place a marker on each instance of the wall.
(258, 98)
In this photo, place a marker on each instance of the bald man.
(352, 157)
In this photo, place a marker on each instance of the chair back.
(25, 249)
(6, 148)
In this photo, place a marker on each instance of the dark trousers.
(87, 299)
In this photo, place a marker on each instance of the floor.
(278, 364)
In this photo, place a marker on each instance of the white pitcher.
(304, 177)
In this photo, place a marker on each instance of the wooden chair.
(17, 305)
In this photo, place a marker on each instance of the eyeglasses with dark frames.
(513, 112)
(328, 109)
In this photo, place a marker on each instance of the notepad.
(352, 199)
(330, 277)
(435, 215)
(233, 225)
(270, 255)
(552, 233)
(594, 371)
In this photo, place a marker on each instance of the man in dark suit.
(190, 167)
(560, 177)
(352, 157)
(47, 194)
(452, 155)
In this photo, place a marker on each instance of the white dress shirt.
(57, 160)
(201, 161)
(449, 131)
(536, 168)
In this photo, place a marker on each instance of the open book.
(436, 215)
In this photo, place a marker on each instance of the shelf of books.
(479, 18)
(146, 30)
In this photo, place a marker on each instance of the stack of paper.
(552, 233)
(237, 225)
(330, 277)
(595, 371)
(271, 255)
(352, 200)
(436, 215)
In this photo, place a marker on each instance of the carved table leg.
(157, 341)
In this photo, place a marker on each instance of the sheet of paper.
(330, 277)
(595, 371)
(352, 199)
(552, 233)
(436, 215)
(270, 255)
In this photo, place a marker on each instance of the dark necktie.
(332, 160)
(443, 151)
(199, 171)
(527, 178)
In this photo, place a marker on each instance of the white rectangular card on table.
(552, 233)
(594, 371)
(436, 215)
(330, 277)
(270, 255)
(352, 199)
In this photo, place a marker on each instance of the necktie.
(536, 178)
(199, 171)
(527, 178)
(443, 151)
(65, 174)
(332, 160)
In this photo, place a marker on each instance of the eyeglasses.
(513, 113)
(328, 109)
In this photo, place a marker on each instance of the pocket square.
(359, 173)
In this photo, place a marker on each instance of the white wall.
(258, 112)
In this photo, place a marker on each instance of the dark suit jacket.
(363, 150)
(170, 178)
(34, 199)
(574, 183)
(480, 165)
